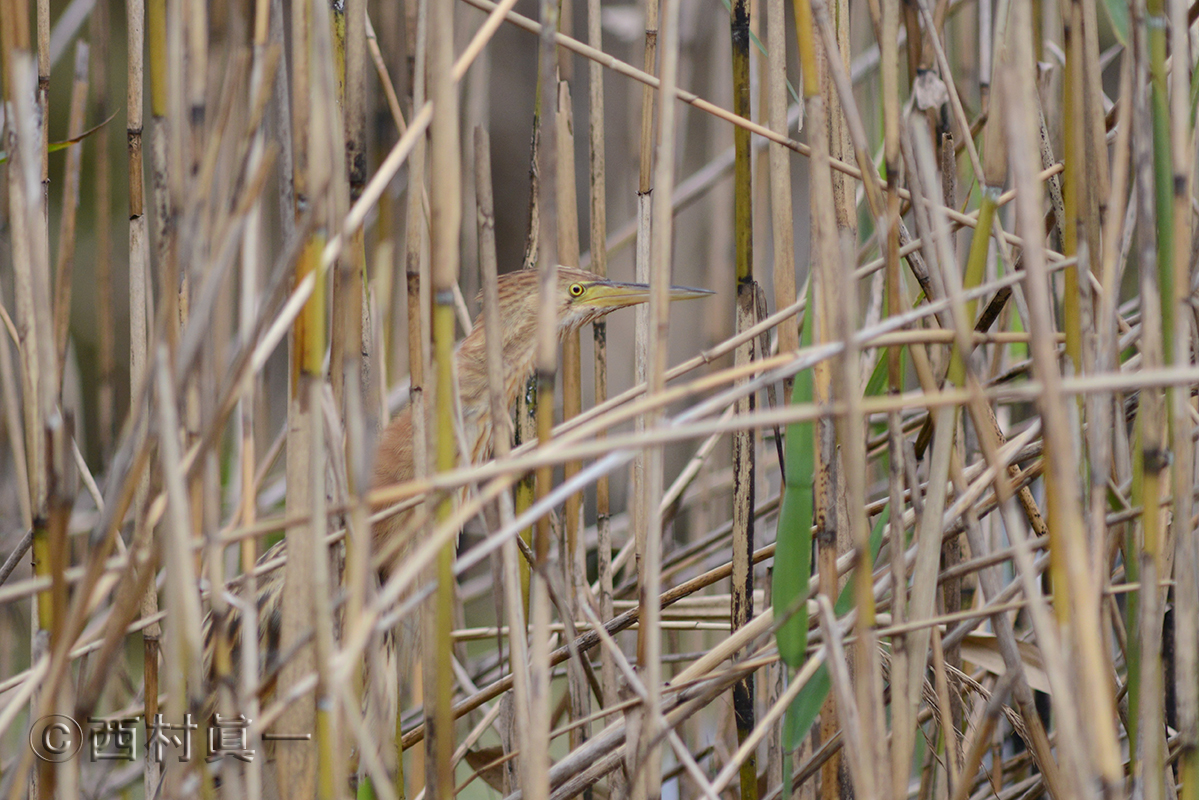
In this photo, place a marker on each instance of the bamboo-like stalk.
(792, 563)
(1102, 449)
(296, 768)
(1156, 282)
(446, 209)
(1072, 156)
(501, 433)
(597, 208)
(357, 344)
(649, 762)
(1185, 661)
(642, 789)
(65, 259)
(574, 560)
(160, 173)
(537, 760)
(35, 337)
(346, 339)
(744, 442)
(326, 145)
(43, 91)
(416, 238)
(782, 221)
(247, 419)
(98, 33)
(138, 342)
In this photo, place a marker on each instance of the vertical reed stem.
(744, 441)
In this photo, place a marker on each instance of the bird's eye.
(576, 290)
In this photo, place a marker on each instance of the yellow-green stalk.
(1072, 157)
(446, 217)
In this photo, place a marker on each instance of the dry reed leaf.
(488, 763)
(982, 650)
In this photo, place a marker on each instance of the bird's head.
(585, 297)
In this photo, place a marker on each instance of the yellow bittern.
(582, 297)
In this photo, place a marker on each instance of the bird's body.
(582, 297)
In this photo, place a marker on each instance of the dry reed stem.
(782, 216)
(598, 255)
(642, 754)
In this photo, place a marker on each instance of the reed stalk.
(574, 561)
(598, 215)
(64, 263)
(445, 210)
(649, 762)
(792, 572)
(35, 337)
(296, 768)
(644, 787)
(744, 443)
(417, 284)
(98, 32)
(902, 739)
(824, 255)
(514, 736)
(1186, 559)
(537, 759)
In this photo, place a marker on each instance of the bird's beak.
(613, 294)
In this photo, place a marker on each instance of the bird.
(582, 297)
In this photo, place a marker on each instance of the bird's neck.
(519, 350)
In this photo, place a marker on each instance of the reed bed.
(904, 510)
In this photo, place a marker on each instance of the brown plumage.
(582, 297)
